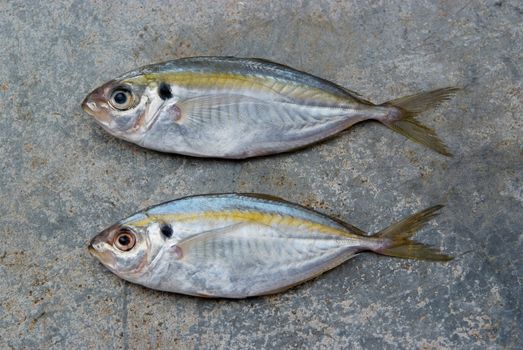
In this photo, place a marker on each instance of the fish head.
(122, 106)
(127, 250)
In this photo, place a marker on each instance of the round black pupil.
(124, 240)
(120, 98)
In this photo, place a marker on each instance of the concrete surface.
(64, 179)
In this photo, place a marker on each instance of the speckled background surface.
(63, 179)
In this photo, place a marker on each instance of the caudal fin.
(402, 118)
(397, 242)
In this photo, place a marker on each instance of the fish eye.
(121, 99)
(125, 240)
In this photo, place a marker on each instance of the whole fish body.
(242, 245)
(237, 108)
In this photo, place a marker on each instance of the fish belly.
(249, 259)
(240, 123)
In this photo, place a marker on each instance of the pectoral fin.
(193, 241)
(201, 109)
(218, 243)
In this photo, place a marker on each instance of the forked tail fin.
(402, 118)
(397, 242)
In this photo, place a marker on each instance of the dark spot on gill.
(167, 230)
(164, 91)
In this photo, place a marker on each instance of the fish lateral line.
(229, 80)
(241, 216)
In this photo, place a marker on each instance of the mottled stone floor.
(64, 179)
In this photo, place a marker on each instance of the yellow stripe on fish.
(268, 219)
(192, 80)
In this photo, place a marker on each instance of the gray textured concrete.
(63, 178)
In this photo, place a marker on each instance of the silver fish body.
(240, 245)
(230, 107)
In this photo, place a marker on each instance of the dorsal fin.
(266, 197)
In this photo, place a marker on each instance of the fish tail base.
(396, 239)
(401, 117)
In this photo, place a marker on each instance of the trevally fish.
(228, 107)
(243, 245)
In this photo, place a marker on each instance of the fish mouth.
(98, 249)
(92, 246)
(92, 250)
(94, 109)
(95, 105)
(87, 105)
(98, 246)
